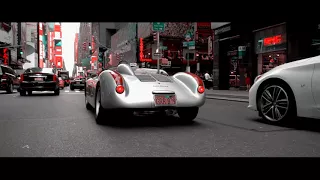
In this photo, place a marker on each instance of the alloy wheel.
(274, 103)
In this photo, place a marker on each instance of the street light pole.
(158, 51)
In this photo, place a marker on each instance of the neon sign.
(142, 59)
(5, 56)
(274, 40)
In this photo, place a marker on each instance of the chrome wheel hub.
(274, 103)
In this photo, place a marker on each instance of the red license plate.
(164, 100)
(38, 79)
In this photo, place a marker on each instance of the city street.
(44, 125)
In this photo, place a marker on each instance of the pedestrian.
(248, 80)
(207, 79)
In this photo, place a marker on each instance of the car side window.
(5, 70)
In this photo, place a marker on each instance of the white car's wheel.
(276, 103)
(188, 114)
(88, 105)
(100, 112)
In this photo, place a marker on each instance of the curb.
(228, 99)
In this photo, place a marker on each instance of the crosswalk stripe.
(76, 91)
(66, 91)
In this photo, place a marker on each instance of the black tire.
(71, 88)
(23, 93)
(29, 93)
(286, 93)
(101, 114)
(57, 92)
(88, 105)
(9, 88)
(188, 114)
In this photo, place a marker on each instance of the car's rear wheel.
(100, 112)
(88, 105)
(71, 88)
(276, 103)
(10, 88)
(188, 114)
(57, 92)
(23, 93)
(29, 93)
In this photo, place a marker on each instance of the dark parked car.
(77, 83)
(8, 78)
(39, 79)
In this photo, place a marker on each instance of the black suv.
(8, 78)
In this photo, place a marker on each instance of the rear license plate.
(165, 100)
(78, 82)
(38, 79)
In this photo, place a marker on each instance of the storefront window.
(271, 60)
(271, 45)
(273, 39)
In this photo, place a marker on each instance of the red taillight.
(4, 76)
(119, 89)
(118, 80)
(54, 77)
(201, 88)
(21, 77)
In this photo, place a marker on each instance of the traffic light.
(90, 46)
(154, 36)
(100, 57)
(20, 52)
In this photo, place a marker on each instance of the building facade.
(254, 49)
(29, 44)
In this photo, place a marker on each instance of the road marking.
(67, 91)
(77, 91)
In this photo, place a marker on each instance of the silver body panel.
(140, 86)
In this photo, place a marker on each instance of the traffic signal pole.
(158, 49)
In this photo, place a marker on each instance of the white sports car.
(288, 91)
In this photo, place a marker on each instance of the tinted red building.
(76, 39)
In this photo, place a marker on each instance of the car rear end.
(77, 83)
(39, 80)
(5, 81)
(150, 91)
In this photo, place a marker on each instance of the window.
(39, 70)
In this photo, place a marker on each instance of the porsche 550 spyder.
(126, 90)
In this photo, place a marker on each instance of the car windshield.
(39, 70)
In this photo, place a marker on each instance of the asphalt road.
(43, 125)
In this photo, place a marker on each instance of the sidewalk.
(229, 95)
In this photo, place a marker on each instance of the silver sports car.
(126, 90)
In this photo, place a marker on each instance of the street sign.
(158, 26)
(163, 47)
(157, 54)
(185, 44)
(187, 37)
(191, 43)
